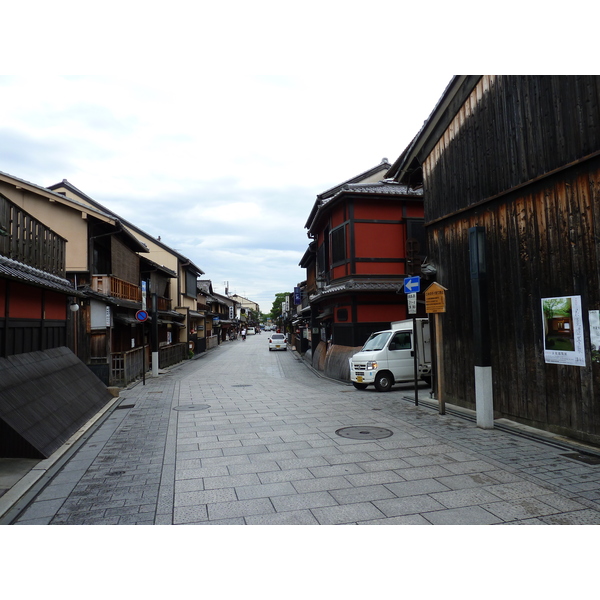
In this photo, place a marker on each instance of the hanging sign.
(411, 300)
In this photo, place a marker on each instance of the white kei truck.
(388, 356)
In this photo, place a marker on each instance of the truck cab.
(388, 356)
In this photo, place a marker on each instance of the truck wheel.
(360, 386)
(383, 382)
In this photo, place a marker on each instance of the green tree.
(279, 300)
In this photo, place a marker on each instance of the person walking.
(243, 334)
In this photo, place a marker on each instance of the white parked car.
(250, 331)
(277, 341)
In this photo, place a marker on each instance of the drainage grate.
(192, 407)
(124, 406)
(364, 433)
(588, 459)
(242, 385)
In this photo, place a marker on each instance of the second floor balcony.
(109, 285)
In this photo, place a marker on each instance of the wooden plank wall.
(511, 130)
(543, 241)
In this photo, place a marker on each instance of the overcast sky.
(215, 125)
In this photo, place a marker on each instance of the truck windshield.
(377, 341)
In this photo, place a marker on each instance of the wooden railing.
(126, 367)
(27, 240)
(171, 355)
(164, 303)
(110, 285)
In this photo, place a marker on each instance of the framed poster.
(595, 334)
(563, 331)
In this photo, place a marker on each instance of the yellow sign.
(435, 298)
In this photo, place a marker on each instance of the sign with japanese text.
(411, 300)
(435, 298)
(563, 331)
(595, 334)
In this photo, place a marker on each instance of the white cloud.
(213, 126)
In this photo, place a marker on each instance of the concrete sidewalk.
(248, 436)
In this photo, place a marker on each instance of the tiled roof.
(359, 286)
(20, 271)
(382, 187)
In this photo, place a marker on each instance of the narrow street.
(248, 437)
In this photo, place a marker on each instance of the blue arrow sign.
(412, 284)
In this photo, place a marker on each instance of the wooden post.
(438, 360)
(435, 302)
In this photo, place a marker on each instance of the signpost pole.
(416, 360)
(412, 285)
(435, 302)
(155, 355)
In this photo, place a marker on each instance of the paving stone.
(361, 494)
(465, 497)
(347, 513)
(265, 490)
(416, 487)
(405, 520)
(577, 517)
(373, 478)
(204, 497)
(254, 458)
(288, 475)
(472, 515)
(302, 501)
(241, 508)
(320, 484)
(189, 514)
(294, 517)
(407, 505)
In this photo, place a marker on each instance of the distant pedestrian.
(244, 334)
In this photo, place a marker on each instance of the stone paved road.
(248, 436)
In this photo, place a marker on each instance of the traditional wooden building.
(163, 273)
(41, 380)
(357, 262)
(510, 171)
(35, 294)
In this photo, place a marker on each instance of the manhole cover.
(192, 407)
(588, 459)
(364, 433)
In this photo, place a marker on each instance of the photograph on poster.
(563, 331)
(595, 334)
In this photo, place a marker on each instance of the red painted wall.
(56, 306)
(378, 210)
(378, 240)
(25, 302)
(381, 312)
(368, 268)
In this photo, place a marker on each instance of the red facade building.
(368, 235)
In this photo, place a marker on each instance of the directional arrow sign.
(412, 284)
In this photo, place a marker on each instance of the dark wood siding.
(511, 130)
(542, 241)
